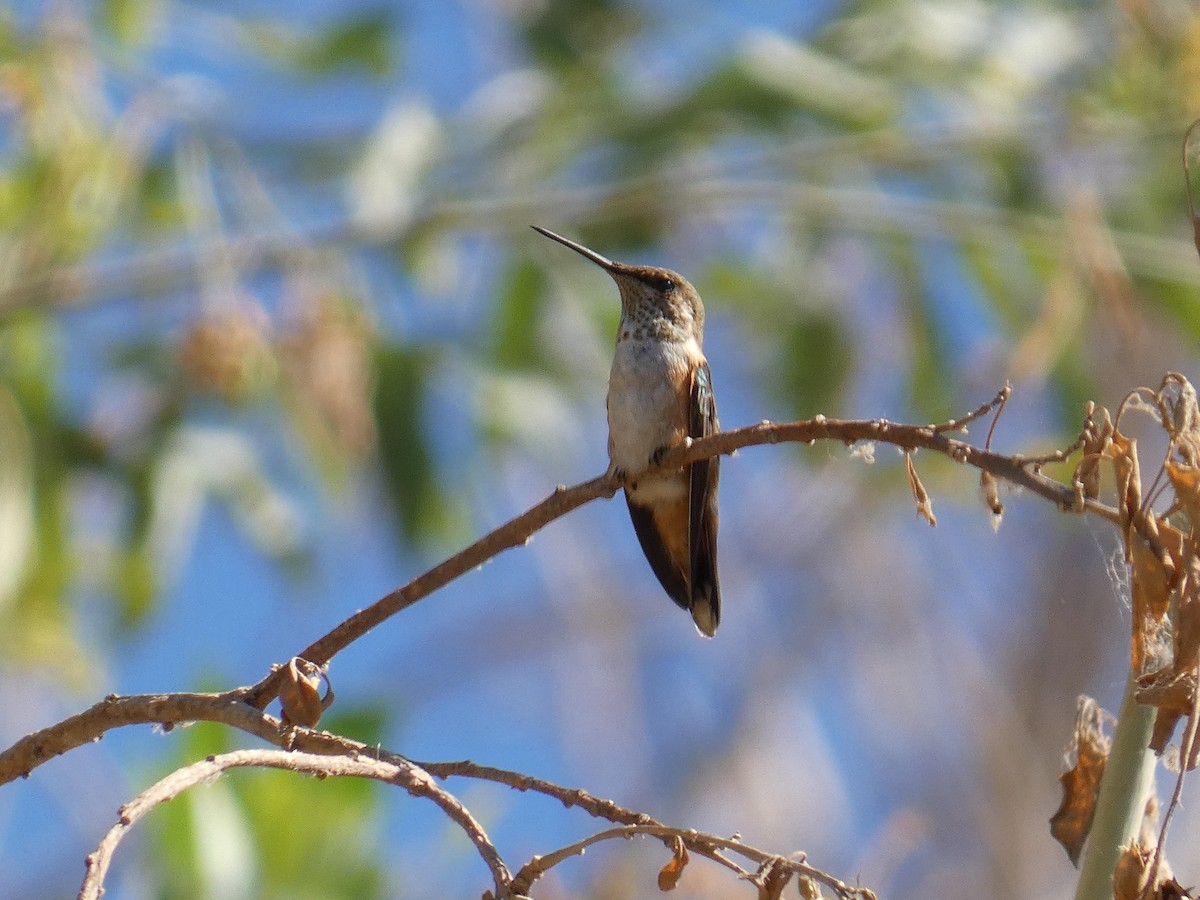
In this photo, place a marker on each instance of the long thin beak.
(602, 261)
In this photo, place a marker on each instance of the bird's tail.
(706, 613)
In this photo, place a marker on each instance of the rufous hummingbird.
(660, 395)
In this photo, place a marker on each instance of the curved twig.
(169, 710)
(29, 752)
(697, 842)
(517, 531)
(166, 710)
(401, 773)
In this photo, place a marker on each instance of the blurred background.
(275, 337)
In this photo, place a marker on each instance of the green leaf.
(408, 465)
(298, 836)
(817, 356)
(810, 350)
(565, 34)
(360, 41)
(136, 583)
(129, 21)
(315, 837)
(928, 393)
(516, 325)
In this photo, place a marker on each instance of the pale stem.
(1124, 789)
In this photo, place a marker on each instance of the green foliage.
(563, 34)
(811, 353)
(129, 21)
(360, 41)
(268, 833)
(408, 467)
(516, 339)
(817, 356)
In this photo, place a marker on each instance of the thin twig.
(167, 710)
(1002, 397)
(173, 709)
(517, 531)
(697, 842)
(29, 752)
(403, 774)
(999, 400)
(597, 807)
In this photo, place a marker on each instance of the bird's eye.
(666, 284)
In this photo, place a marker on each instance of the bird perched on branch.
(660, 395)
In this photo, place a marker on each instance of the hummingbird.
(660, 396)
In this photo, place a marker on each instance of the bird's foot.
(615, 472)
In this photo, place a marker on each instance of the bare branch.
(319, 753)
(697, 842)
(394, 770)
(25, 755)
(513, 533)
(517, 531)
(139, 709)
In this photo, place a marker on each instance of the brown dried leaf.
(1170, 889)
(1151, 582)
(991, 493)
(229, 354)
(300, 693)
(1180, 411)
(1087, 476)
(924, 505)
(1132, 870)
(1168, 690)
(1185, 480)
(1187, 635)
(772, 877)
(326, 359)
(1129, 876)
(1097, 435)
(1081, 784)
(1165, 723)
(1172, 692)
(669, 875)
(1122, 451)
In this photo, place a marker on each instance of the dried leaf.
(772, 877)
(669, 875)
(1122, 451)
(1081, 784)
(1185, 480)
(1170, 889)
(1181, 414)
(229, 354)
(1096, 438)
(1132, 872)
(991, 494)
(1151, 583)
(326, 363)
(924, 506)
(1187, 634)
(1172, 693)
(1129, 876)
(300, 693)
(1088, 475)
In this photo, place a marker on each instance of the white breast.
(644, 408)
